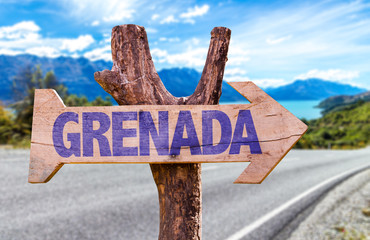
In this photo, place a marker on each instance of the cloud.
(192, 42)
(234, 71)
(78, 44)
(24, 29)
(10, 52)
(24, 37)
(273, 41)
(187, 17)
(330, 74)
(44, 51)
(238, 55)
(101, 10)
(99, 53)
(185, 53)
(164, 39)
(117, 17)
(269, 82)
(155, 16)
(189, 20)
(169, 19)
(236, 74)
(295, 38)
(261, 82)
(195, 12)
(95, 23)
(151, 30)
(236, 78)
(192, 57)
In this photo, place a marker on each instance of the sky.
(272, 42)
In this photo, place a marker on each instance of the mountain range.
(312, 89)
(78, 75)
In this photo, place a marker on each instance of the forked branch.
(133, 80)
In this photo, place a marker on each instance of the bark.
(133, 80)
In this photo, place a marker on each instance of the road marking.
(259, 222)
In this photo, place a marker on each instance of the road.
(120, 201)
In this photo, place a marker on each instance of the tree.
(5, 125)
(24, 85)
(17, 129)
(73, 101)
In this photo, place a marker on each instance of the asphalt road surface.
(120, 201)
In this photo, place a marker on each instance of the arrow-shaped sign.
(261, 133)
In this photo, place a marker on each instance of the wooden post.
(133, 80)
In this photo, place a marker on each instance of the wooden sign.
(261, 133)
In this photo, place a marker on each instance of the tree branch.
(208, 91)
(133, 80)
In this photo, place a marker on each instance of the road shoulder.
(339, 214)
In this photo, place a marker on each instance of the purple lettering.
(245, 119)
(207, 132)
(119, 133)
(74, 138)
(89, 133)
(160, 138)
(185, 120)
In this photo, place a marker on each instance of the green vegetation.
(346, 127)
(16, 125)
(337, 103)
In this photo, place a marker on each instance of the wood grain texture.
(134, 80)
(134, 83)
(277, 130)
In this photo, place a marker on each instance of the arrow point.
(259, 169)
(288, 130)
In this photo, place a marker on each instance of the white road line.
(250, 228)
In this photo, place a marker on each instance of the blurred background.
(310, 56)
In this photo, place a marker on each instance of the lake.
(301, 109)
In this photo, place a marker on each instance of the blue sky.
(272, 42)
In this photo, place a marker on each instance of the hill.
(346, 128)
(312, 89)
(338, 102)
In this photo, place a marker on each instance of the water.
(301, 109)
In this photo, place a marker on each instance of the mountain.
(182, 82)
(312, 89)
(78, 75)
